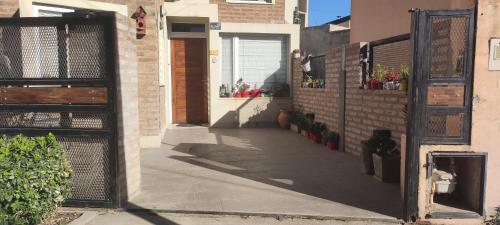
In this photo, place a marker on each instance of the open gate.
(440, 95)
(58, 75)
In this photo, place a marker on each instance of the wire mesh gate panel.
(440, 96)
(57, 75)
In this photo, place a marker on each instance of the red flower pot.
(373, 84)
(254, 93)
(316, 138)
(237, 95)
(332, 145)
(245, 94)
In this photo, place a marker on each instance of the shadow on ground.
(291, 172)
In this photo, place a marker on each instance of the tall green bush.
(34, 178)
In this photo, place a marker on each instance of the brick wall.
(323, 102)
(8, 8)
(129, 174)
(251, 13)
(392, 55)
(365, 110)
(147, 57)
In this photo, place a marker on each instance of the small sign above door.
(215, 26)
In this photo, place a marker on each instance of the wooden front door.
(189, 80)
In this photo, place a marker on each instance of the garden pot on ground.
(332, 145)
(284, 119)
(295, 128)
(367, 159)
(386, 168)
(316, 138)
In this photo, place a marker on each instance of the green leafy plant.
(404, 72)
(317, 127)
(495, 220)
(34, 178)
(332, 136)
(379, 73)
(380, 145)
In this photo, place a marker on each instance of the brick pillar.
(129, 174)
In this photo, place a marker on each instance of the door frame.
(166, 77)
(417, 94)
(170, 92)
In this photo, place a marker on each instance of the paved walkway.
(267, 171)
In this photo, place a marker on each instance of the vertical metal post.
(342, 95)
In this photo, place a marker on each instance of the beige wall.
(485, 113)
(486, 108)
(225, 112)
(378, 19)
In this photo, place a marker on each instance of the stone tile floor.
(267, 171)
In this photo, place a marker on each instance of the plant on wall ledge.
(403, 78)
(376, 82)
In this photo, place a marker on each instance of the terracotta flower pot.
(380, 85)
(284, 119)
(332, 145)
(316, 138)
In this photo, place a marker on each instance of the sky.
(322, 11)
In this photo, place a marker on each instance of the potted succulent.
(403, 78)
(386, 161)
(332, 141)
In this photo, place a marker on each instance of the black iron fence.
(58, 75)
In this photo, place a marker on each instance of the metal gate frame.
(417, 108)
(108, 81)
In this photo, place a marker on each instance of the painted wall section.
(486, 110)
(224, 112)
(378, 19)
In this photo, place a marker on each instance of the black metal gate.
(58, 75)
(440, 96)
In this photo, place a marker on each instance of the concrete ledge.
(269, 215)
(150, 141)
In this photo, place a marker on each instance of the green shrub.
(34, 178)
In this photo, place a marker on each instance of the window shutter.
(262, 60)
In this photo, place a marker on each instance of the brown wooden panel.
(54, 95)
(452, 96)
(189, 79)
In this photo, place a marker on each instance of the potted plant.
(378, 77)
(390, 79)
(304, 126)
(386, 161)
(332, 141)
(296, 53)
(403, 78)
(370, 146)
(295, 121)
(284, 118)
(315, 132)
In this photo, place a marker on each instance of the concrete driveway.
(259, 172)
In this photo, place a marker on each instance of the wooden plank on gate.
(54, 95)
